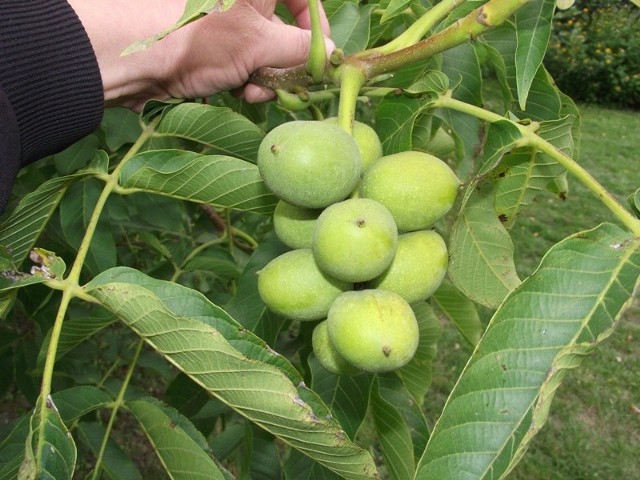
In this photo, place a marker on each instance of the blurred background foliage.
(594, 52)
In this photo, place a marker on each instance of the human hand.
(216, 53)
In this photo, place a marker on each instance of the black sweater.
(50, 87)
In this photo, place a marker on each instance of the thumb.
(286, 46)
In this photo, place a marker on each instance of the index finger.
(300, 11)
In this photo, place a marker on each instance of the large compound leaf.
(221, 129)
(481, 253)
(533, 29)
(215, 179)
(182, 456)
(543, 329)
(232, 364)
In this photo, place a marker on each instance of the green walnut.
(293, 286)
(355, 240)
(367, 139)
(416, 187)
(309, 164)
(373, 330)
(327, 355)
(294, 225)
(418, 267)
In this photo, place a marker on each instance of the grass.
(593, 431)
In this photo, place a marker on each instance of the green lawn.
(593, 431)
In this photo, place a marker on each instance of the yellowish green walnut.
(373, 330)
(327, 355)
(355, 240)
(293, 286)
(416, 187)
(367, 140)
(309, 164)
(418, 267)
(294, 225)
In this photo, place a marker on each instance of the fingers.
(300, 11)
(285, 46)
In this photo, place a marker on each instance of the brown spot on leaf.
(386, 350)
(274, 149)
(503, 218)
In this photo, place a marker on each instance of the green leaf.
(20, 230)
(215, 179)
(265, 458)
(77, 401)
(82, 324)
(301, 467)
(201, 340)
(246, 306)
(48, 266)
(502, 137)
(395, 120)
(395, 8)
(460, 311)
(416, 375)
(181, 448)
(462, 65)
(76, 210)
(193, 10)
(115, 462)
(533, 29)
(634, 202)
(346, 396)
(12, 449)
(543, 329)
(77, 156)
(121, 126)
(481, 262)
(50, 451)
(393, 434)
(220, 129)
(524, 173)
(350, 25)
(543, 101)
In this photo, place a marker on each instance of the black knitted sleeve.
(50, 86)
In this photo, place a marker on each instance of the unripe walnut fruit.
(418, 267)
(293, 286)
(416, 187)
(367, 140)
(355, 240)
(327, 355)
(309, 164)
(373, 330)
(294, 225)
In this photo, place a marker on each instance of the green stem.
(116, 406)
(532, 140)
(317, 51)
(420, 27)
(575, 169)
(70, 286)
(480, 20)
(351, 80)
